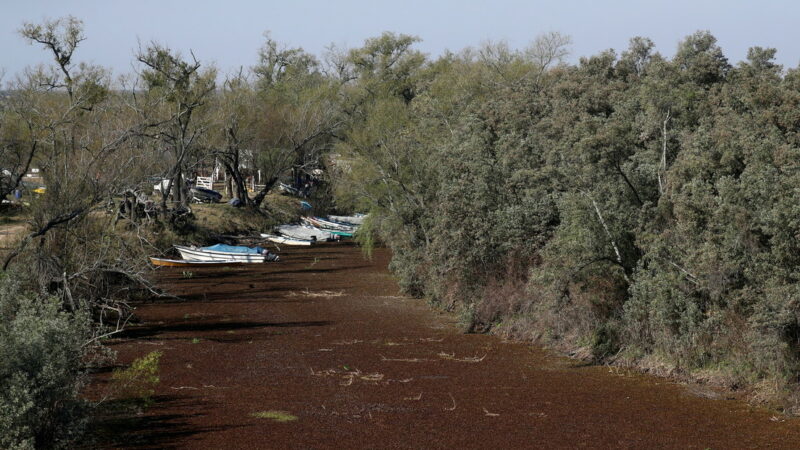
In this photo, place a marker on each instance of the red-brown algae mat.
(321, 350)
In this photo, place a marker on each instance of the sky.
(229, 33)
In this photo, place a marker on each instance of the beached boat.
(221, 252)
(286, 240)
(341, 233)
(187, 263)
(305, 232)
(355, 220)
(328, 225)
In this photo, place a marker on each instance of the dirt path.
(9, 233)
(325, 337)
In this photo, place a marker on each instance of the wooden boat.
(286, 240)
(186, 263)
(205, 254)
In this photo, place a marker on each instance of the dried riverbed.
(322, 351)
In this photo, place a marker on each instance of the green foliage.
(630, 204)
(605, 342)
(41, 351)
(138, 382)
(633, 203)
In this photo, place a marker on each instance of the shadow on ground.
(120, 423)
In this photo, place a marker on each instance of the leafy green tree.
(41, 352)
(298, 114)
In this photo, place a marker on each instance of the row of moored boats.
(311, 231)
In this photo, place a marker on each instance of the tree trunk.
(228, 183)
(263, 193)
(237, 183)
(178, 188)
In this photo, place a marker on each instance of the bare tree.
(84, 142)
(548, 49)
(233, 132)
(181, 90)
(19, 139)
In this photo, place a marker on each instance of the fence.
(205, 182)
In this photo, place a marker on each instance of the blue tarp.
(234, 249)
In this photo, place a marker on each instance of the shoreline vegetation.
(627, 209)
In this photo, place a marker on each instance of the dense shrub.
(41, 348)
(652, 202)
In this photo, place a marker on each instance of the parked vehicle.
(203, 195)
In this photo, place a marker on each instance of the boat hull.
(286, 240)
(163, 262)
(349, 220)
(196, 254)
(342, 233)
(327, 225)
(305, 232)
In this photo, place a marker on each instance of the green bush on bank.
(627, 206)
(41, 350)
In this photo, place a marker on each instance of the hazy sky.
(229, 33)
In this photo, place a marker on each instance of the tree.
(85, 147)
(234, 134)
(19, 137)
(181, 90)
(297, 114)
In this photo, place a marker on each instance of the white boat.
(357, 219)
(305, 232)
(203, 254)
(286, 240)
(328, 225)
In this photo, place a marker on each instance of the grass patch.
(138, 382)
(277, 416)
(196, 340)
